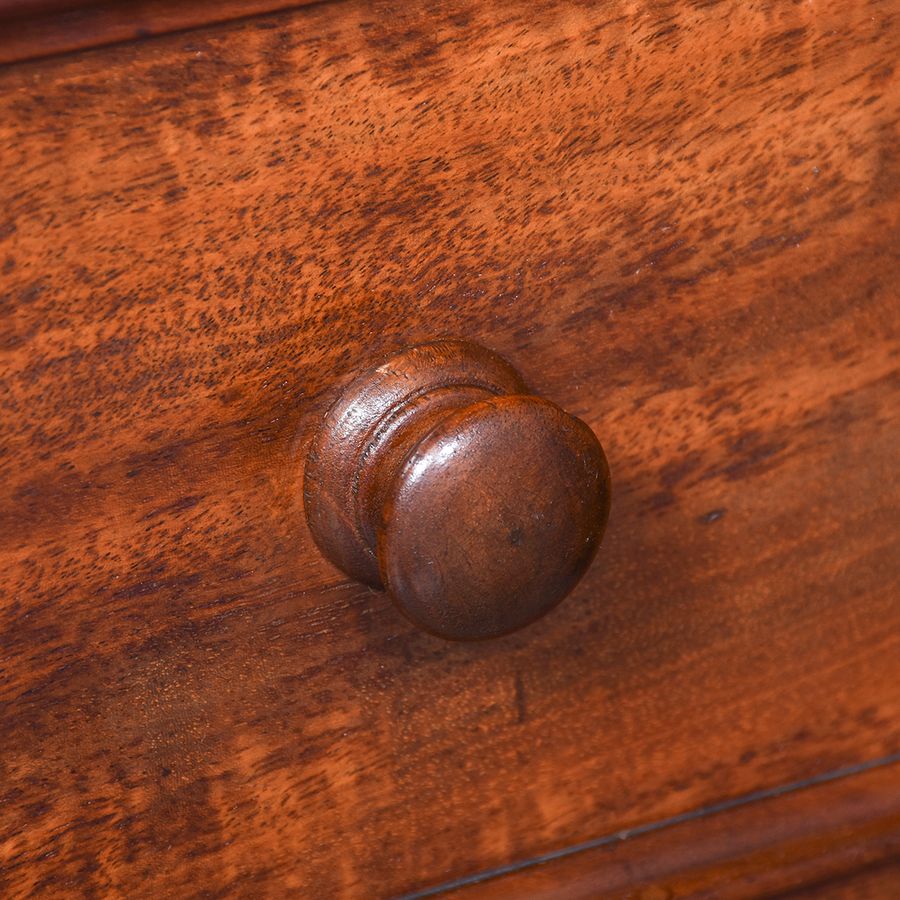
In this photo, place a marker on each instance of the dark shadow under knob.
(439, 478)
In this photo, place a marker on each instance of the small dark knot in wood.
(438, 477)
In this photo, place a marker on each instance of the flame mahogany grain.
(678, 220)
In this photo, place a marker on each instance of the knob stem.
(366, 433)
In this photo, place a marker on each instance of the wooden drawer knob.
(439, 478)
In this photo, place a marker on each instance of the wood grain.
(679, 221)
(838, 839)
(31, 29)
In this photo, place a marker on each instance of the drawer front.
(679, 222)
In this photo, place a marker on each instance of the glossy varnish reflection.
(678, 221)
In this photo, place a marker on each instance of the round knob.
(438, 477)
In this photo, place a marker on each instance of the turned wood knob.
(439, 478)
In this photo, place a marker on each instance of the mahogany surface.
(835, 839)
(30, 29)
(678, 220)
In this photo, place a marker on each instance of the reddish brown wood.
(839, 839)
(19, 9)
(437, 478)
(679, 222)
(878, 882)
(31, 29)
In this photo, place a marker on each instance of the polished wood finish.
(437, 477)
(678, 222)
(835, 839)
(31, 29)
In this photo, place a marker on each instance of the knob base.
(369, 429)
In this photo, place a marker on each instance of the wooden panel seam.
(618, 838)
(38, 30)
